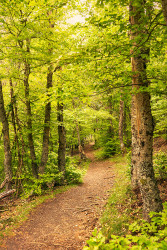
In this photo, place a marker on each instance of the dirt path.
(67, 221)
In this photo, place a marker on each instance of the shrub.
(143, 235)
(160, 165)
(33, 186)
(109, 149)
(73, 175)
(51, 178)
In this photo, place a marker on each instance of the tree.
(121, 126)
(46, 130)
(29, 112)
(6, 141)
(61, 134)
(142, 121)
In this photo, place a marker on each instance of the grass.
(121, 207)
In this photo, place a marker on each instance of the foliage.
(73, 174)
(160, 165)
(36, 186)
(159, 104)
(108, 143)
(52, 177)
(109, 149)
(143, 235)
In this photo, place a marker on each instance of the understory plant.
(160, 165)
(52, 177)
(143, 235)
(108, 149)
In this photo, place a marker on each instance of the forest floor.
(66, 221)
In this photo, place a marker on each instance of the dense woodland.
(79, 71)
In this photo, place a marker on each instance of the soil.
(67, 221)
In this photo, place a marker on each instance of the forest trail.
(66, 221)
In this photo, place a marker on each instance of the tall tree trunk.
(61, 139)
(142, 121)
(164, 9)
(121, 126)
(13, 104)
(17, 132)
(46, 132)
(29, 115)
(6, 140)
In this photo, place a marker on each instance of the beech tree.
(143, 20)
(121, 126)
(6, 140)
(142, 120)
(61, 131)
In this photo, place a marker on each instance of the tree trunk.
(13, 103)
(80, 148)
(18, 139)
(164, 9)
(110, 109)
(141, 120)
(29, 115)
(121, 126)
(6, 140)
(46, 132)
(62, 139)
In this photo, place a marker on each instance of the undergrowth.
(52, 177)
(143, 235)
(121, 224)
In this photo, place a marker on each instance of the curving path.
(66, 221)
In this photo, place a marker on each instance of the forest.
(75, 73)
